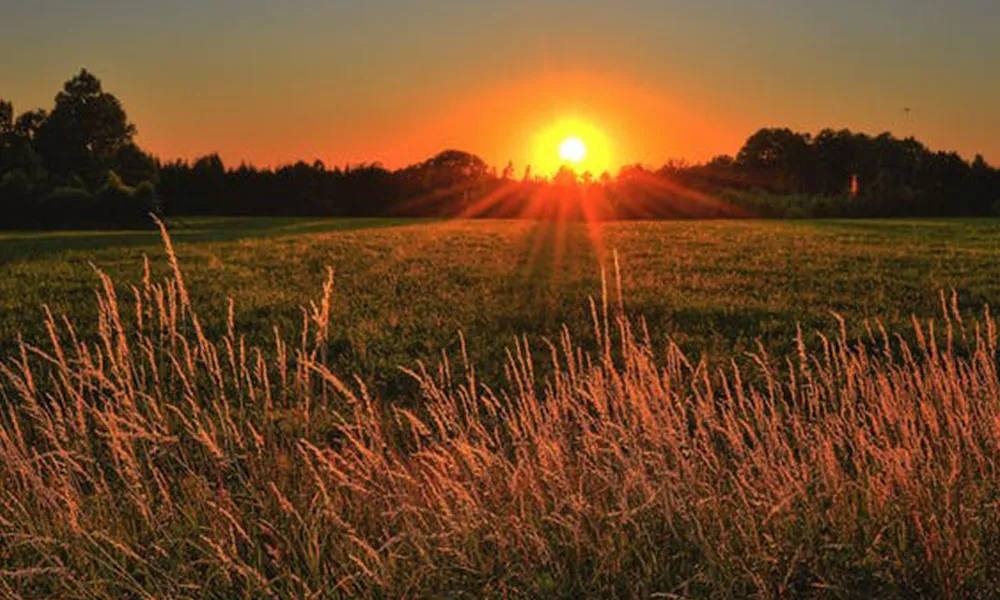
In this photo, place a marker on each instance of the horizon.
(658, 82)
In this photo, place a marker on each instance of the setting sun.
(575, 143)
(573, 150)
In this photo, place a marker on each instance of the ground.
(405, 289)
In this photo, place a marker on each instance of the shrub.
(146, 199)
(68, 195)
(114, 191)
(64, 206)
(768, 205)
(122, 205)
(15, 185)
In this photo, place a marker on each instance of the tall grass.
(157, 463)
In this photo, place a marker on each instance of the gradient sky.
(395, 81)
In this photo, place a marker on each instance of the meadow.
(499, 409)
(405, 289)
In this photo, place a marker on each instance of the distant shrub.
(63, 205)
(761, 204)
(121, 205)
(67, 195)
(114, 189)
(146, 198)
(16, 198)
(114, 204)
(15, 184)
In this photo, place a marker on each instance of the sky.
(395, 81)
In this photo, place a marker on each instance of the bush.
(15, 185)
(146, 199)
(761, 204)
(114, 204)
(63, 206)
(68, 195)
(114, 189)
(16, 198)
(121, 205)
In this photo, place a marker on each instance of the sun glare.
(574, 143)
(573, 149)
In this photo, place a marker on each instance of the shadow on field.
(32, 245)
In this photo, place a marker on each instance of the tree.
(28, 124)
(722, 161)
(208, 176)
(508, 171)
(84, 133)
(836, 161)
(565, 176)
(982, 196)
(453, 166)
(6, 118)
(6, 133)
(782, 158)
(135, 166)
(19, 155)
(210, 165)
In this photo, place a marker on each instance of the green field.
(160, 455)
(404, 289)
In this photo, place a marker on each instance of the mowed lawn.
(405, 289)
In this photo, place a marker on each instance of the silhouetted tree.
(135, 166)
(85, 132)
(21, 170)
(837, 160)
(983, 192)
(781, 157)
(6, 133)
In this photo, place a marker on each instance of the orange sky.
(396, 81)
(501, 120)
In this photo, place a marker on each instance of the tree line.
(78, 165)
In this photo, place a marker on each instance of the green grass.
(404, 289)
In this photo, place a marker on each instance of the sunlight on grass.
(161, 462)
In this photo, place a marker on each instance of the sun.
(571, 142)
(573, 150)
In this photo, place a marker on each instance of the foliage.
(81, 144)
(63, 196)
(146, 199)
(85, 131)
(15, 184)
(797, 206)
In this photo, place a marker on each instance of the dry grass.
(158, 463)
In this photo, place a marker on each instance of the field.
(679, 438)
(404, 290)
